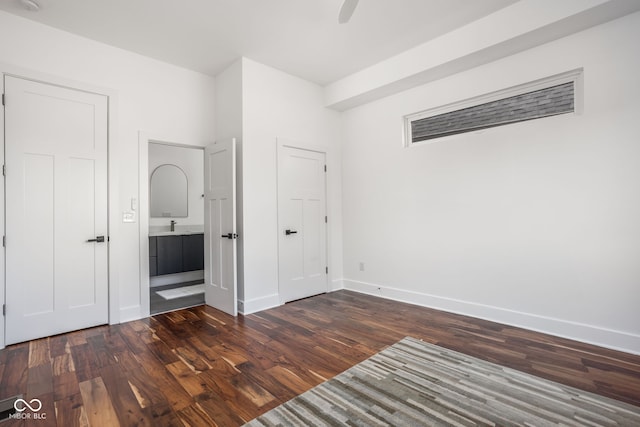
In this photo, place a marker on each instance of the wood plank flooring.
(201, 367)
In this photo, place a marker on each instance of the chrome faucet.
(173, 225)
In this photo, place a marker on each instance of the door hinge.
(4, 170)
(3, 99)
(325, 219)
(4, 241)
(325, 168)
(326, 269)
(4, 309)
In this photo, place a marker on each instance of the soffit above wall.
(523, 25)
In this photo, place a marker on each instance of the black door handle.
(289, 232)
(230, 236)
(98, 239)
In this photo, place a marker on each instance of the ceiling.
(300, 37)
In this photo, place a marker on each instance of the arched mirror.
(168, 194)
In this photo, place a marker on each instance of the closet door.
(56, 209)
(302, 227)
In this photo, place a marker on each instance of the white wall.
(153, 96)
(277, 105)
(228, 124)
(534, 224)
(228, 102)
(191, 161)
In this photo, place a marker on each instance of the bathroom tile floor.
(161, 305)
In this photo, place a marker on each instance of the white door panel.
(302, 231)
(220, 269)
(37, 188)
(56, 200)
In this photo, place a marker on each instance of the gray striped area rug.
(413, 383)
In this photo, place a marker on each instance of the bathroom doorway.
(175, 227)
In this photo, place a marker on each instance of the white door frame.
(144, 139)
(284, 142)
(113, 225)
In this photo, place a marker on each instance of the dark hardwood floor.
(201, 367)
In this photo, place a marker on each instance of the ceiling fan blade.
(348, 6)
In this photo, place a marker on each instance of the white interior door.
(302, 228)
(56, 203)
(220, 271)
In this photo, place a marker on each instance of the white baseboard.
(133, 312)
(271, 301)
(258, 304)
(336, 285)
(616, 340)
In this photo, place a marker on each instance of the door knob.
(289, 232)
(98, 239)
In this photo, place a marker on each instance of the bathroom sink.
(165, 230)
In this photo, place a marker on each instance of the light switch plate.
(128, 217)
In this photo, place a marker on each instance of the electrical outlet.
(362, 266)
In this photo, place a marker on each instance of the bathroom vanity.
(176, 251)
